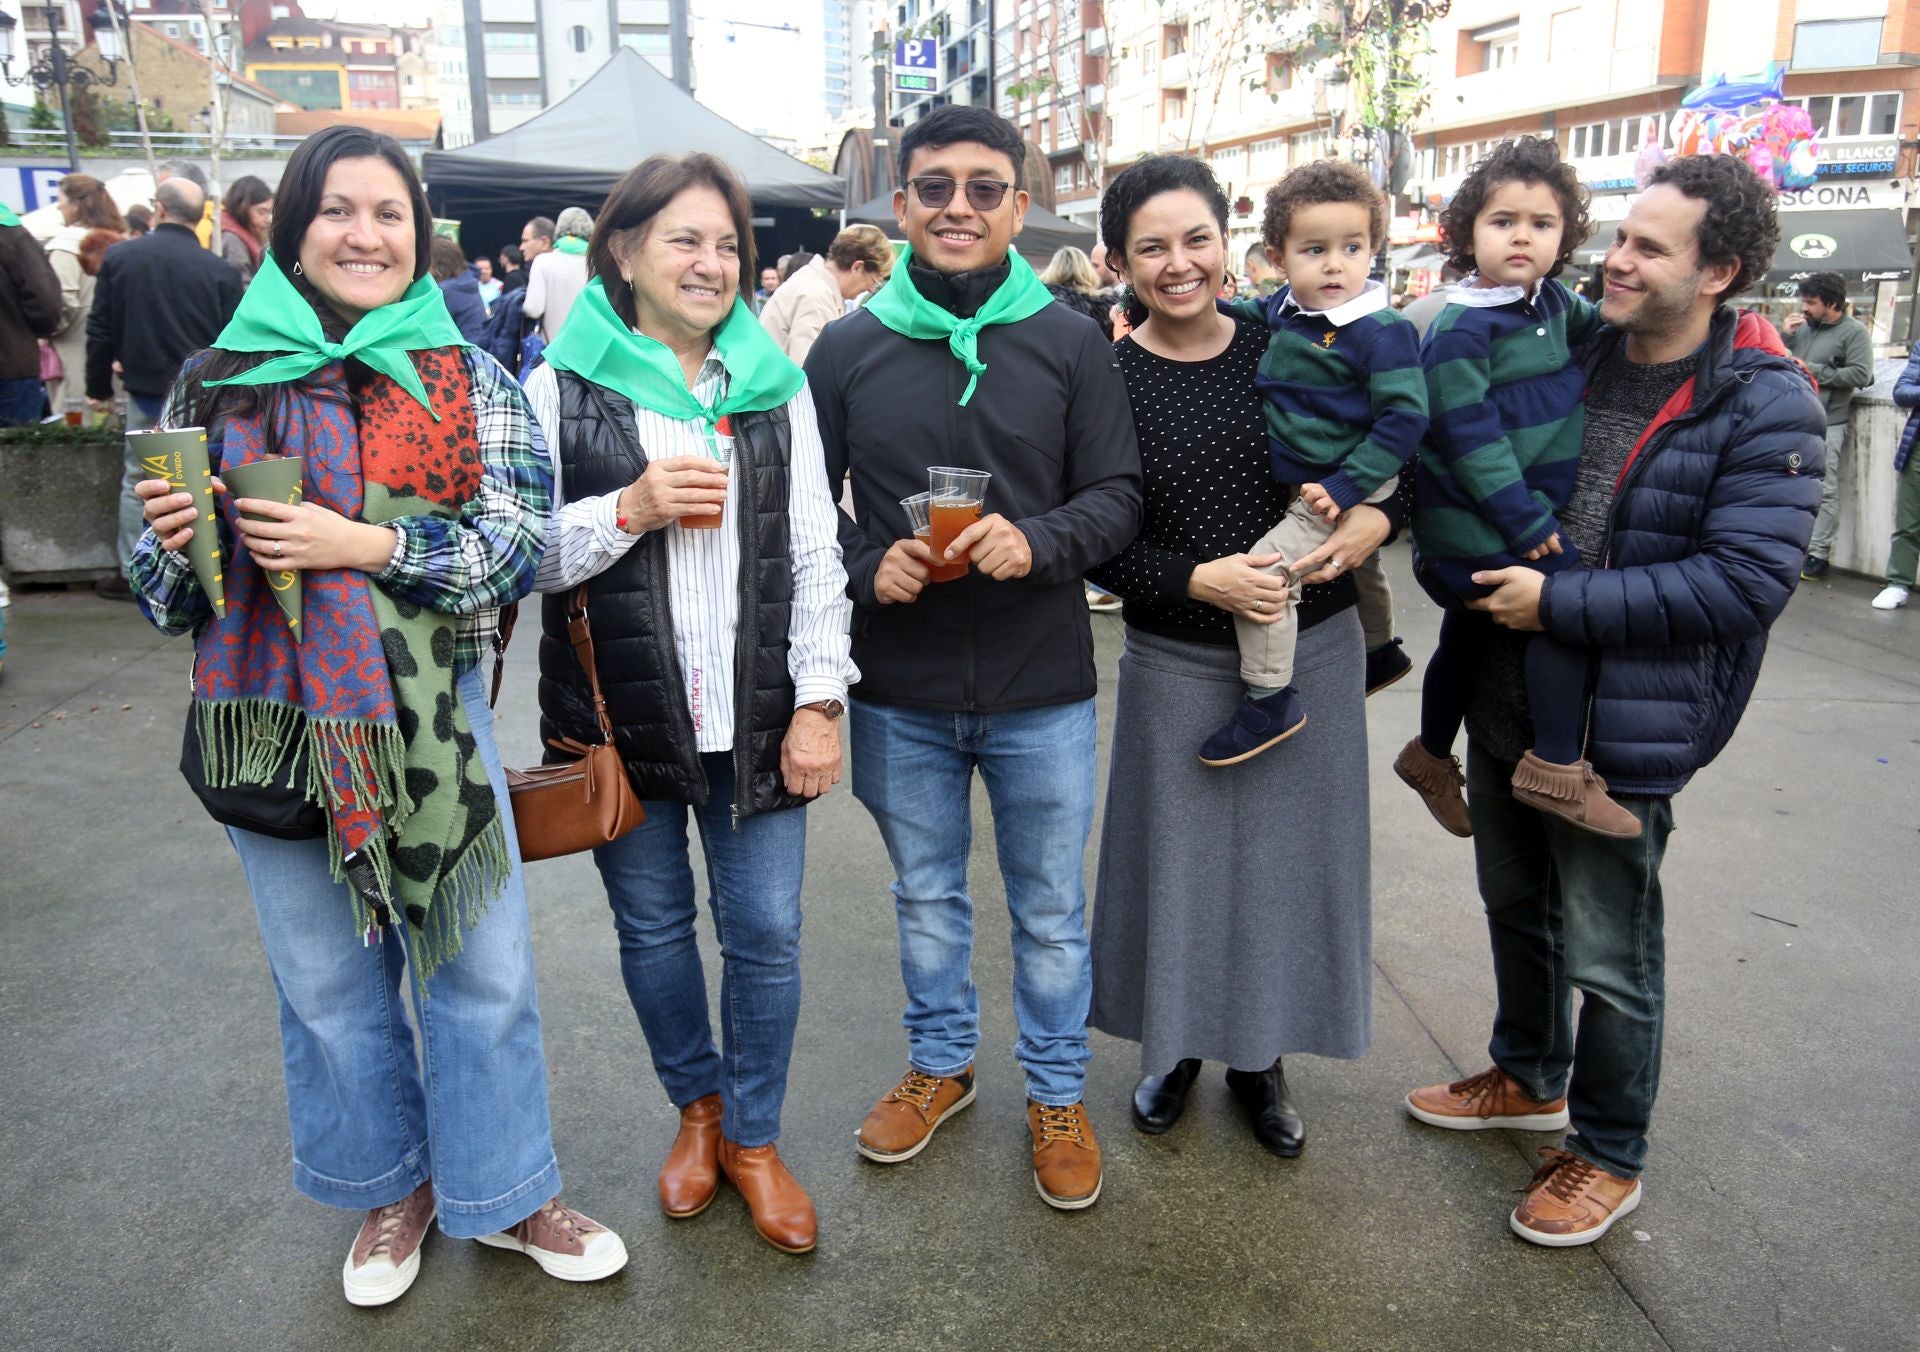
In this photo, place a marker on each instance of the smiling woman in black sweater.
(1232, 919)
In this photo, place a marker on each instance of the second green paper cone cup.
(180, 457)
(273, 481)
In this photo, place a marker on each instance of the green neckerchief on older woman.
(570, 244)
(274, 317)
(900, 306)
(596, 344)
(6, 215)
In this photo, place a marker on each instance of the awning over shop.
(1865, 246)
(1862, 246)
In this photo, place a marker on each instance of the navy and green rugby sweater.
(1346, 402)
(1506, 391)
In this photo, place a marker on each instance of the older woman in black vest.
(692, 500)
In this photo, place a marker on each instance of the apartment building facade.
(501, 62)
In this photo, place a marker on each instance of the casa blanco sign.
(1841, 158)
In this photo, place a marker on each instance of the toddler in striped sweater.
(1346, 406)
(1505, 389)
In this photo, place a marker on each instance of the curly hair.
(1829, 288)
(1525, 159)
(1317, 183)
(1740, 225)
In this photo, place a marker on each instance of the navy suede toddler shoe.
(1385, 665)
(1256, 725)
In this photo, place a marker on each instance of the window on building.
(1173, 105)
(1173, 37)
(1308, 147)
(1563, 35)
(1836, 42)
(1835, 116)
(1267, 159)
(1499, 45)
(1279, 75)
(579, 39)
(1063, 178)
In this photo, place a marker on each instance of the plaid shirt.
(468, 566)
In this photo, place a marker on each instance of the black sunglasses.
(983, 194)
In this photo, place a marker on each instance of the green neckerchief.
(6, 215)
(274, 317)
(570, 244)
(596, 345)
(902, 308)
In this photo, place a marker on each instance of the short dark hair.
(640, 195)
(1256, 252)
(960, 122)
(1145, 179)
(512, 257)
(1315, 184)
(1524, 159)
(1741, 225)
(542, 227)
(1136, 185)
(1829, 288)
(243, 195)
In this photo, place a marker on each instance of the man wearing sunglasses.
(963, 359)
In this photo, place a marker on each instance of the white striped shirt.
(703, 566)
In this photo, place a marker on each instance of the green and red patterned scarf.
(369, 684)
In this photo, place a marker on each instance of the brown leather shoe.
(691, 1176)
(1489, 1101)
(902, 1123)
(782, 1211)
(1571, 1202)
(1439, 784)
(1066, 1158)
(1574, 793)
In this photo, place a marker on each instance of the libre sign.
(914, 64)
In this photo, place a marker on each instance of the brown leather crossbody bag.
(582, 803)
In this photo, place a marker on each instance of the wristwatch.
(831, 708)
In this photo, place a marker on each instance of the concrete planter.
(60, 508)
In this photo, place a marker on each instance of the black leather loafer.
(1158, 1100)
(1276, 1123)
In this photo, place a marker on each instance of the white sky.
(402, 13)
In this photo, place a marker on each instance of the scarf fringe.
(460, 902)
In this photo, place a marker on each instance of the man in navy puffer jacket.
(1698, 483)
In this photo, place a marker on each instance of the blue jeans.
(143, 412)
(753, 880)
(21, 400)
(913, 768)
(1567, 910)
(374, 1115)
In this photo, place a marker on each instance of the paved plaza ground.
(147, 1191)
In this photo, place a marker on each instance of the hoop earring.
(296, 267)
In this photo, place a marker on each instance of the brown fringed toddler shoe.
(1573, 793)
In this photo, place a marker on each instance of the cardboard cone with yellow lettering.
(273, 481)
(179, 455)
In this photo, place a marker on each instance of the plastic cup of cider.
(917, 508)
(958, 497)
(722, 446)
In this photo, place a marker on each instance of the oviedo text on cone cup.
(274, 480)
(179, 455)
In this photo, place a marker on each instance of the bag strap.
(582, 639)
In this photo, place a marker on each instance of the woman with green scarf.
(354, 762)
(698, 516)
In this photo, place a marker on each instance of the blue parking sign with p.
(915, 61)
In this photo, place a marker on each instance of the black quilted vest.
(629, 611)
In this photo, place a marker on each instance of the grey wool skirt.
(1233, 919)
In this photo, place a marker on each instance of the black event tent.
(1043, 232)
(574, 152)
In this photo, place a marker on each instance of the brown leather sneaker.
(1066, 1158)
(1573, 793)
(1489, 1101)
(782, 1212)
(1571, 1202)
(385, 1257)
(691, 1176)
(1439, 783)
(564, 1243)
(902, 1123)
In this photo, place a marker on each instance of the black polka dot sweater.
(1210, 489)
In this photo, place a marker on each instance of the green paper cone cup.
(273, 481)
(179, 456)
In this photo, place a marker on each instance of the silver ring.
(1333, 566)
(276, 549)
(1259, 605)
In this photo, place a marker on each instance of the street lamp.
(57, 70)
